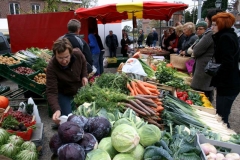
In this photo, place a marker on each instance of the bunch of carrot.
(139, 87)
(146, 102)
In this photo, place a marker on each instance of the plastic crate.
(8, 55)
(115, 62)
(34, 86)
(22, 64)
(200, 139)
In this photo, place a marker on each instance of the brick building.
(33, 6)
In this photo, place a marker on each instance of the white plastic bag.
(35, 110)
(133, 66)
(105, 62)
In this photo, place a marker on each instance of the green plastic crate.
(34, 86)
(119, 61)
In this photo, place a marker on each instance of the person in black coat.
(149, 41)
(226, 53)
(124, 43)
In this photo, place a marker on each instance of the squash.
(4, 102)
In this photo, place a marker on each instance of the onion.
(233, 156)
(211, 156)
(208, 148)
(220, 156)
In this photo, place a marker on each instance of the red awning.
(141, 10)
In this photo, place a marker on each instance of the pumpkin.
(4, 102)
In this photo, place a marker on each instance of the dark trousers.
(223, 106)
(112, 52)
(101, 62)
(65, 104)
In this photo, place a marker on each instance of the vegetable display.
(8, 60)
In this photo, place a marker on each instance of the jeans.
(223, 106)
(101, 70)
(112, 52)
(65, 104)
(95, 58)
(154, 43)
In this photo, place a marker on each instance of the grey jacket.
(188, 41)
(202, 51)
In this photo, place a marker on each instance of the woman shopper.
(124, 43)
(226, 53)
(203, 50)
(190, 38)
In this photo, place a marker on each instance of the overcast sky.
(129, 23)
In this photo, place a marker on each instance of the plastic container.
(200, 139)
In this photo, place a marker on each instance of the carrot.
(143, 99)
(138, 91)
(145, 107)
(135, 109)
(146, 84)
(148, 96)
(152, 89)
(142, 87)
(130, 89)
(150, 104)
(136, 105)
(132, 83)
(160, 108)
(159, 103)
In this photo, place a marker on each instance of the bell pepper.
(189, 102)
(179, 94)
(182, 98)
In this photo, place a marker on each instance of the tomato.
(189, 102)
(185, 97)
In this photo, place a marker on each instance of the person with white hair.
(155, 37)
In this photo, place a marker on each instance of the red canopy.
(141, 10)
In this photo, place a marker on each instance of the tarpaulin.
(38, 30)
(141, 10)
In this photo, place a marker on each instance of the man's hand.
(183, 53)
(55, 116)
(84, 81)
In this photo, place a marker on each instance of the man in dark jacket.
(112, 43)
(66, 73)
(140, 38)
(74, 27)
(155, 37)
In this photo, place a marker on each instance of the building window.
(35, 8)
(14, 8)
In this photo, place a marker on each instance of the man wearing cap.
(112, 43)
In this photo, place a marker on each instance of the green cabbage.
(16, 140)
(106, 145)
(125, 138)
(98, 154)
(149, 134)
(3, 136)
(9, 150)
(122, 121)
(138, 152)
(124, 156)
(28, 145)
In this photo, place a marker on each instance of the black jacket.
(78, 42)
(226, 53)
(149, 40)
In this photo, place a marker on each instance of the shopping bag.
(179, 62)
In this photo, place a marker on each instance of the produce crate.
(205, 109)
(115, 62)
(6, 113)
(22, 64)
(200, 139)
(8, 55)
(25, 135)
(34, 86)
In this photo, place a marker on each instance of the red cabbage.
(71, 151)
(100, 127)
(54, 143)
(79, 120)
(89, 142)
(70, 132)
